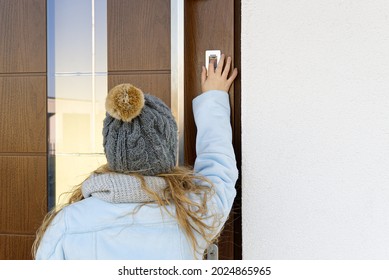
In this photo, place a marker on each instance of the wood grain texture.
(22, 193)
(210, 25)
(154, 84)
(23, 114)
(16, 247)
(23, 36)
(138, 34)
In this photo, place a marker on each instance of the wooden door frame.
(222, 32)
(237, 139)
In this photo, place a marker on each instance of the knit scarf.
(121, 188)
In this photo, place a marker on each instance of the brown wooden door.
(139, 53)
(22, 124)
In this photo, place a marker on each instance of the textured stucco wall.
(315, 129)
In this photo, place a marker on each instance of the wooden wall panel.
(213, 25)
(209, 25)
(155, 84)
(16, 247)
(23, 36)
(22, 124)
(23, 114)
(138, 35)
(22, 193)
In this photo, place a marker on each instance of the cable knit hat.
(139, 132)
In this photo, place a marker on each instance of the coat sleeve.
(215, 155)
(50, 247)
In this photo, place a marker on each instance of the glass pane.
(73, 36)
(100, 20)
(77, 86)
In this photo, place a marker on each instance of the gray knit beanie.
(139, 132)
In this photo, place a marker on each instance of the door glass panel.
(77, 86)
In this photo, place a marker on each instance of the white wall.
(315, 129)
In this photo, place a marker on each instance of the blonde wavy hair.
(180, 182)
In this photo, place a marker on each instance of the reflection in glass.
(77, 86)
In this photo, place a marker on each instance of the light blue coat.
(95, 229)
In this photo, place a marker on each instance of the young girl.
(140, 205)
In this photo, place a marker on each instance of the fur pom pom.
(124, 102)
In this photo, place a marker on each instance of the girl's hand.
(217, 79)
